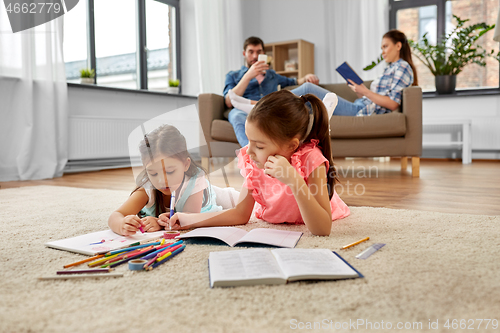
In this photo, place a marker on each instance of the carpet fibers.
(434, 267)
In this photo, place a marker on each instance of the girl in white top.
(168, 168)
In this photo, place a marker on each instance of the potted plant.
(173, 86)
(87, 76)
(449, 56)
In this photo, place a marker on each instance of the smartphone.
(262, 57)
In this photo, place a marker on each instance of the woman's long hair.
(284, 116)
(405, 52)
(165, 140)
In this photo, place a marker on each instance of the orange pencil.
(84, 261)
(355, 243)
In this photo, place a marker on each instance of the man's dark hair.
(253, 41)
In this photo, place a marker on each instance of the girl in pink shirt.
(287, 166)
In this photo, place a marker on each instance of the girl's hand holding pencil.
(163, 220)
(131, 223)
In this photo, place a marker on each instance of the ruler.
(370, 250)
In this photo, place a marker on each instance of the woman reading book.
(384, 94)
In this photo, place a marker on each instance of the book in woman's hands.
(348, 73)
(278, 266)
(233, 236)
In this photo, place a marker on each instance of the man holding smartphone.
(252, 82)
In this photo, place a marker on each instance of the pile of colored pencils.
(155, 253)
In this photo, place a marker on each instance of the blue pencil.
(133, 248)
(176, 252)
(151, 255)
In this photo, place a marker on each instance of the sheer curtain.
(33, 102)
(354, 34)
(219, 39)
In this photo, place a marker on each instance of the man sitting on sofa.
(252, 82)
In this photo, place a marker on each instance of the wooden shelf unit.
(299, 50)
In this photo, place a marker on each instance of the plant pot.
(173, 90)
(87, 80)
(445, 84)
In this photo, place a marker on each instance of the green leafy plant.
(173, 83)
(90, 73)
(456, 49)
(374, 63)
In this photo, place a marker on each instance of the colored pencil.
(176, 252)
(84, 261)
(161, 248)
(81, 271)
(172, 249)
(355, 243)
(150, 262)
(133, 247)
(100, 261)
(127, 259)
(122, 249)
(67, 277)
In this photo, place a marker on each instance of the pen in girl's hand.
(172, 203)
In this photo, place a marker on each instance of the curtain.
(219, 39)
(496, 36)
(34, 102)
(354, 31)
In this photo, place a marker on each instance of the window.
(129, 43)
(75, 41)
(435, 17)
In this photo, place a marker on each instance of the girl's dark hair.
(405, 52)
(284, 116)
(165, 140)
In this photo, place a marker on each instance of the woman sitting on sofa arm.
(384, 94)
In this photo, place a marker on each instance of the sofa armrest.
(411, 106)
(210, 107)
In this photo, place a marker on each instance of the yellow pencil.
(163, 257)
(355, 243)
(84, 261)
(98, 262)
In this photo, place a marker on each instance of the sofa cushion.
(222, 130)
(376, 126)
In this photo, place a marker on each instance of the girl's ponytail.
(321, 131)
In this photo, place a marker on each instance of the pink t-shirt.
(275, 200)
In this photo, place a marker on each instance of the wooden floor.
(444, 186)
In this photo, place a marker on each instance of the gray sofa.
(396, 134)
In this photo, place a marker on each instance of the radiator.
(92, 137)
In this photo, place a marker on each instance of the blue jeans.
(237, 117)
(344, 107)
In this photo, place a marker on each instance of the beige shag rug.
(434, 267)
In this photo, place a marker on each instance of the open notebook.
(233, 236)
(101, 242)
(278, 266)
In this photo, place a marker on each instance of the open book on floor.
(101, 242)
(233, 236)
(277, 266)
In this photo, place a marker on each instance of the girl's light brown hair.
(284, 116)
(405, 53)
